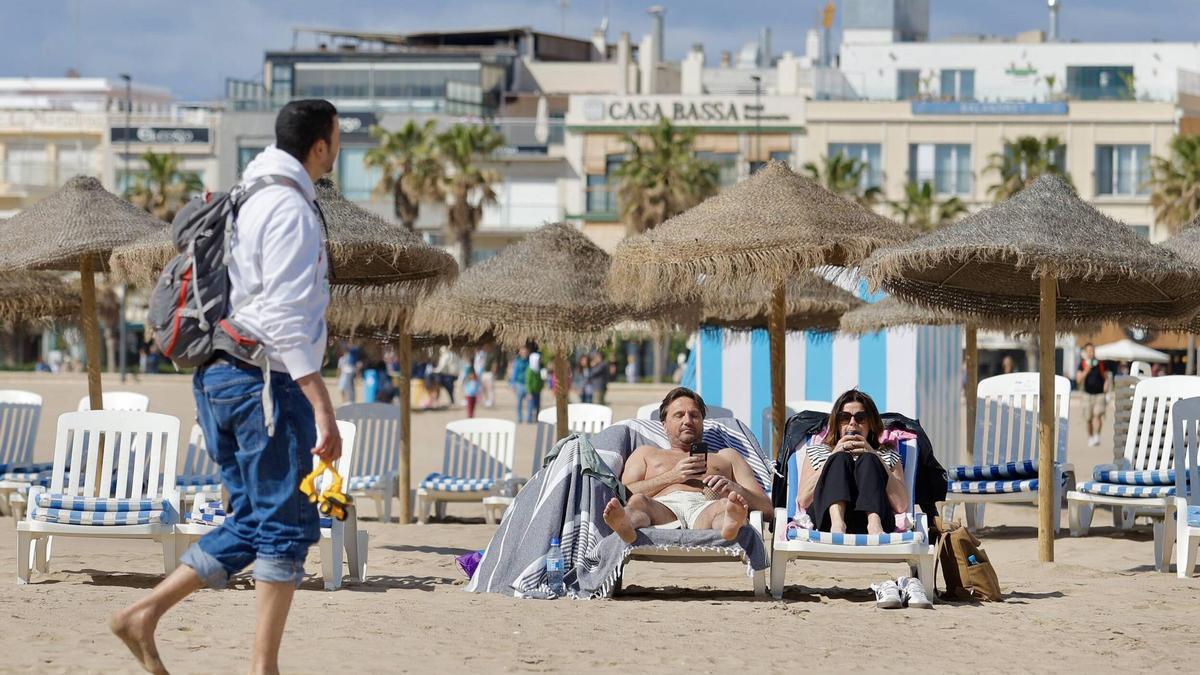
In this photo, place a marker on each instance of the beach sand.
(1101, 607)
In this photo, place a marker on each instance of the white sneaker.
(912, 591)
(887, 595)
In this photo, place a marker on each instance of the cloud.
(192, 47)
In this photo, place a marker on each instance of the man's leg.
(641, 511)
(727, 515)
(136, 623)
(274, 602)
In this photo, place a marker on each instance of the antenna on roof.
(563, 5)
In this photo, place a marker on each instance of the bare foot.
(614, 515)
(736, 511)
(874, 524)
(136, 630)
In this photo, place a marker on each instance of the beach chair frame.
(1006, 430)
(129, 401)
(376, 453)
(1148, 447)
(1185, 423)
(20, 413)
(138, 461)
(477, 453)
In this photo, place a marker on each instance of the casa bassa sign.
(687, 110)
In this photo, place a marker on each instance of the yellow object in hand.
(331, 501)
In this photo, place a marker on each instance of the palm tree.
(1175, 183)
(844, 176)
(409, 170)
(921, 210)
(163, 189)
(467, 187)
(1022, 161)
(662, 176)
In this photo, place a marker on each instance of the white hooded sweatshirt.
(278, 267)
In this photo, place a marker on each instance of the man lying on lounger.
(714, 489)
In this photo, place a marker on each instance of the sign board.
(987, 108)
(356, 125)
(703, 111)
(161, 135)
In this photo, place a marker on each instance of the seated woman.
(850, 481)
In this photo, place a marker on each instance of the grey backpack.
(189, 306)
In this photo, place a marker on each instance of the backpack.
(190, 303)
(189, 307)
(534, 381)
(966, 579)
(931, 475)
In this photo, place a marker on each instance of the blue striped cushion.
(211, 513)
(911, 537)
(1193, 516)
(204, 479)
(991, 487)
(78, 517)
(1107, 475)
(1024, 469)
(45, 500)
(442, 483)
(1114, 490)
(28, 473)
(365, 482)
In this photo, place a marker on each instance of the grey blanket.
(566, 499)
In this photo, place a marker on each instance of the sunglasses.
(860, 417)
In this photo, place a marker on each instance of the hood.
(275, 162)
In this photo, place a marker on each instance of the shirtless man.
(714, 491)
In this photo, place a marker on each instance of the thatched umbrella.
(551, 286)
(1046, 256)
(812, 304)
(378, 271)
(761, 232)
(34, 297)
(1187, 245)
(75, 229)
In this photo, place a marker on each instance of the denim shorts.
(269, 522)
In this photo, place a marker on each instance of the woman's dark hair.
(300, 124)
(874, 421)
(678, 393)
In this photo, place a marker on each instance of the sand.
(1100, 607)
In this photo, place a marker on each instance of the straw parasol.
(812, 304)
(551, 286)
(33, 297)
(364, 250)
(1047, 256)
(75, 228)
(756, 234)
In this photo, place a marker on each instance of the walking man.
(279, 287)
(1093, 379)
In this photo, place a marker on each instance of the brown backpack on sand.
(964, 580)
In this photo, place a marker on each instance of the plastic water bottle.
(972, 560)
(554, 569)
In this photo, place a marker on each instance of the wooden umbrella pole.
(405, 465)
(562, 385)
(776, 328)
(91, 331)
(971, 388)
(1046, 436)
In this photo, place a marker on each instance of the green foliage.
(661, 177)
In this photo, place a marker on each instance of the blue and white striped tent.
(916, 371)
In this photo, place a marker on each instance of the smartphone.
(700, 448)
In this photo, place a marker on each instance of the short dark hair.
(1088, 344)
(300, 124)
(678, 393)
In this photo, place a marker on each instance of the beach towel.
(566, 498)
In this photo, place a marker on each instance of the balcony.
(526, 137)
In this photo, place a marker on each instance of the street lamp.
(122, 330)
(757, 117)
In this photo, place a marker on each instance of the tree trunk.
(466, 248)
(659, 356)
(111, 347)
(406, 209)
(1191, 355)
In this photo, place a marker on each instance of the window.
(602, 190)
(1099, 83)
(946, 166)
(27, 163)
(727, 166)
(133, 178)
(1122, 169)
(355, 180)
(908, 84)
(281, 79)
(1142, 231)
(245, 156)
(958, 85)
(76, 158)
(867, 153)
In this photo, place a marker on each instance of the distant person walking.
(470, 389)
(520, 367)
(279, 286)
(1095, 382)
(535, 381)
(485, 370)
(347, 374)
(631, 370)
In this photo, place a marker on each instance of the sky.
(192, 47)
